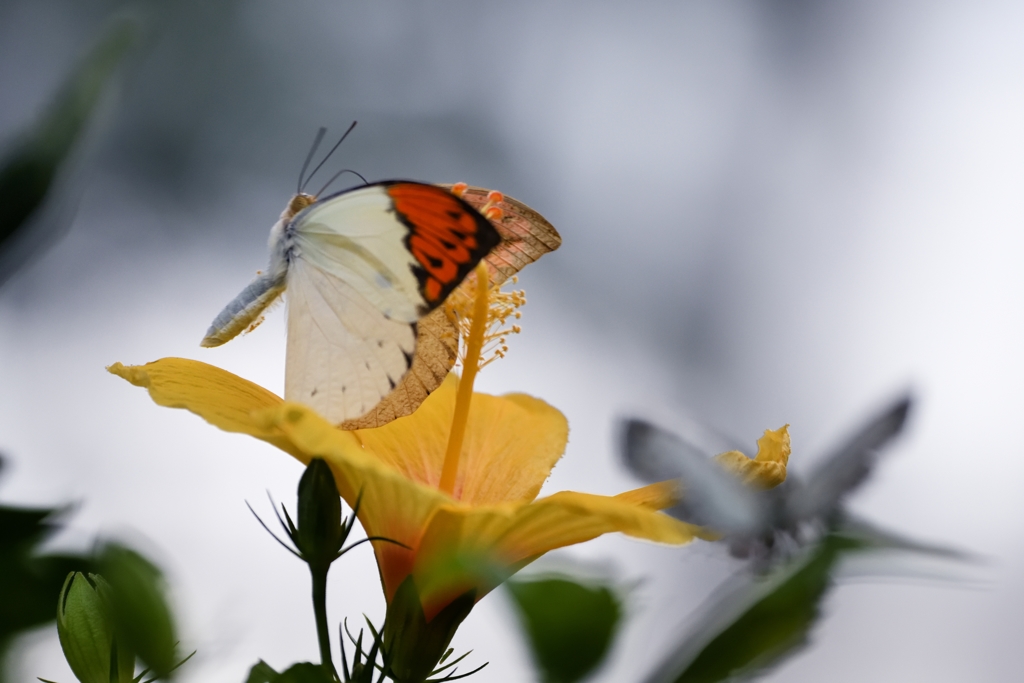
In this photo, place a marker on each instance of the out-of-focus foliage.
(362, 671)
(28, 172)
(775, 624)
(568, 625)
(304, 672)
(139, 608)
(29, 582)
(106, 621)
(759, 620)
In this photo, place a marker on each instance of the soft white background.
(775, 212)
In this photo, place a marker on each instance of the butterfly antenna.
(335, 177)
(308, 178)
(309, 157)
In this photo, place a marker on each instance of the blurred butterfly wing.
(652, 454)
(718, 499)
(847, 467)
(343, 355)
(525, 237)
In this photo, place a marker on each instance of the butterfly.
(525, 237)
(366, 271)
(759, 523)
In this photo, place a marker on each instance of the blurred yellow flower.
(768, 468)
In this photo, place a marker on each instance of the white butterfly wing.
(846, 467)
(437, 343)
(716, 498)
(344, 354)
(357, 237)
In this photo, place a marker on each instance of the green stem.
(320, 613)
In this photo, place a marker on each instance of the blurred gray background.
(774, 212)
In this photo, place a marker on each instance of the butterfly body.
(244, 310)
(361, 268)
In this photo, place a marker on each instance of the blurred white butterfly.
(361, 267)
(759, 523)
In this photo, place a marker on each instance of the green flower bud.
(413, 646)
(87, 632)
(321, 530)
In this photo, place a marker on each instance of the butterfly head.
(298, 202)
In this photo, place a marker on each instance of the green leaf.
(28, 173)
(25, 527)
(303, 672)
(755, 625)
(139, 607)
(569, 626)
(29, 584)
(261, 672)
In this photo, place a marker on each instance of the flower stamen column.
(474, 347)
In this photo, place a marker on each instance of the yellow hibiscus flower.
(455, 483)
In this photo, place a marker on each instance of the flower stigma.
(482, 320)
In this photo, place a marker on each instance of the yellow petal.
(659, 496)
(568, 517)
(768, 469)
(514, 534)
(221, 398)
(437, 529)
(414, 445)
(512, 442)
(392, 506)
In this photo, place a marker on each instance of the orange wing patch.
(525, 234)
(447, 236)
(525, 237)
